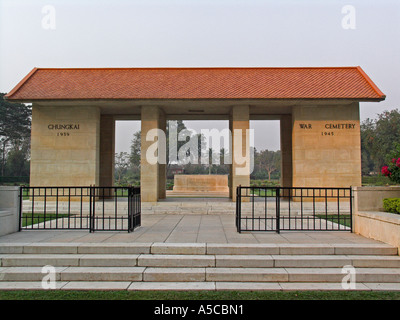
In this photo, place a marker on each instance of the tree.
(134, 157)
(267, 160)
(17, 164)
(367, 142)
(378, 138)
(15, 128)
(121, 166)
(392, 169)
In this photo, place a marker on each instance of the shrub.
(391, 205)
(392, 170)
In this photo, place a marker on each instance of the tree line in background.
(379, 137)
(15, 134)
(378, 140)
(127, 165)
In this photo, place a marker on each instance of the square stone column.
(107, 150)
(65, 146)
(151, 181)
(239, 125)
(326, 146)
(162, 168)
(286, 150)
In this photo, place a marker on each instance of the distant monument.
(207, 185)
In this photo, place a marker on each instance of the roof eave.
(20, 84)
(361, 99)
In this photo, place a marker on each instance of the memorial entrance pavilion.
(74, 111)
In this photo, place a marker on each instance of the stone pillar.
(239, 124)
(107, 150)
(162, 168)
(286, 150)
(65, 146)
(326, 146)
(149, 170)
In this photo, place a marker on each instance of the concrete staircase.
(198, 266)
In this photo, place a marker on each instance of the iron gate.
(291, 209)
(80, 208)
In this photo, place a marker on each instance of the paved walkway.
(189, 228)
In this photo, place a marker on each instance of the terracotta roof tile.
(197, 83)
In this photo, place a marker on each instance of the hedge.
(391, 205)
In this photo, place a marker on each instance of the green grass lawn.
(28, 220)
(199, 295)
(261, 192)
(344, 219)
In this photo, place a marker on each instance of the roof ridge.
(188, 68)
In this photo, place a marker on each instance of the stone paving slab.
(241, 249)
(115, 248)
(383, 286)
(245, 261)
(102, 274)
(365, 249)
(246, 274)
(96, 285)
(318, 286)
(310, 261)
(375, 261)
(66, 248)
(197, 286)
(40, 260)
(27, 285)
(174, 274)
(109, 260)
(305, 249)
(178, 248)
(27, 273)
(176, 286)
(181, 228)
(164, 260)
(248, 286)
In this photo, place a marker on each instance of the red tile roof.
(197, 83)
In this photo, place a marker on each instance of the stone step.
(223, 261)
(198, 249)
(198, 286)
(155, 274)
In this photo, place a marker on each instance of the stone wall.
(326, 146)
(370, 221)
(9, 210)
(65, 146)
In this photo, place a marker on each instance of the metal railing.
(80, 208)
(291, 209)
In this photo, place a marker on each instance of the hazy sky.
(203, 33)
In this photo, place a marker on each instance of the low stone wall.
(200, 183)
(9, 210)
(382, 226)
(370, 221)
(371, 198)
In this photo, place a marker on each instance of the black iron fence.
(282, 208)
(80, 208)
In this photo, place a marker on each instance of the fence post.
(21, 192)
(351, 209)
(238, 208)
(91, 213)
(130, 211)
(278, 209)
